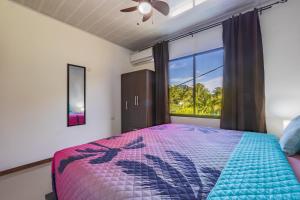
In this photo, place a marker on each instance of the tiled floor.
(31, 184)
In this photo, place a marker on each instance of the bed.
(295, 163)
(176, 161)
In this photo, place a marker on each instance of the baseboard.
(23, 167)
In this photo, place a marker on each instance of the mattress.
(174, 161)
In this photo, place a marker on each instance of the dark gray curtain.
(161, 62)
(243, 85)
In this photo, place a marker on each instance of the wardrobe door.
(137, 94)
(149, 101)
(140, 99)
(127, 92)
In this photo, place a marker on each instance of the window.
(195, 84)
(181, 6)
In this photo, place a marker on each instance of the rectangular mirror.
(76, 95)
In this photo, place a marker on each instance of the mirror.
(76, 95)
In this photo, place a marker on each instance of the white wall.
(281, 40)
(34, 52)
(214, 123)
(200, 42)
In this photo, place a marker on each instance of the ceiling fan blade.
(130, 9)
(136, 0)
(146, 17)
(161, 6)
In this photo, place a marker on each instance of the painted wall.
(214, 123)
(200, 42)
(281, 40)
(34, 52)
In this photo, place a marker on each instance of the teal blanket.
(258, 169)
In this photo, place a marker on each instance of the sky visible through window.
(181, 70)
(206, 63)
(206, 98)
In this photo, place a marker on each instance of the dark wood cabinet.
(137, 100)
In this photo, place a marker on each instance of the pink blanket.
(163, 162)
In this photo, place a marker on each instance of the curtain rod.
(261, 9)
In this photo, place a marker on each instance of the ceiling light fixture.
(145, 8)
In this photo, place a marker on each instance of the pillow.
(290, 141)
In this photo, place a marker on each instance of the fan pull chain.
(153, 18)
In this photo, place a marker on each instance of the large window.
(195, 84)
(181, 6)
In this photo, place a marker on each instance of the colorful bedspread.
(257, 169)
(171, 161)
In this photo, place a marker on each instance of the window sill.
(196, 116)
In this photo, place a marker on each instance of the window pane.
(179, 6)
(181, 86)
(209, 80)
(197, 2)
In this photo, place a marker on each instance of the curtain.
(243, 105)
(161, 62)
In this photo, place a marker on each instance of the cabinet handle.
(137, 100)
(126, 105)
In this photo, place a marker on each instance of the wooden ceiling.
(104, 19)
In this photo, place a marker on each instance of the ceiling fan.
(145, 7)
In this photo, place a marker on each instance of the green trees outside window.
(195, 84)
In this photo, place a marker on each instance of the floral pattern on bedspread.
(173, 161)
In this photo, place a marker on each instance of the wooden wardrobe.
(137, 100)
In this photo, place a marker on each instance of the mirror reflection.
(76, 95)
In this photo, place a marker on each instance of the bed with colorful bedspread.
(176, 161)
